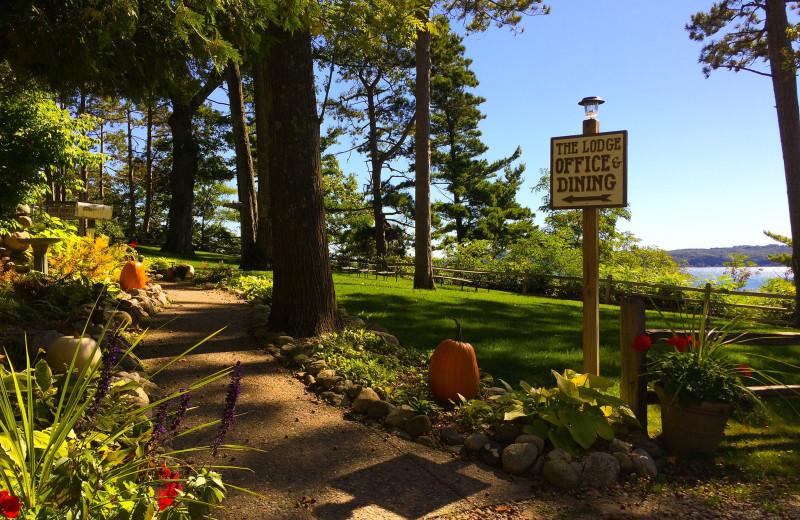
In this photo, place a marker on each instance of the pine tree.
(481, 202)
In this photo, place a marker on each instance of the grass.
(200, 257)
(525, 337)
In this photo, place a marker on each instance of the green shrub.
(254, 288)
(572, 415)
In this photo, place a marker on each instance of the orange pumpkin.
(453, 369)
(133, 276)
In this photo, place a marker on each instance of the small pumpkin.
(133, 276)
(60, 353)
(170, 273)
(453, 369)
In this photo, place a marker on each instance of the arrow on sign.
(573, 198)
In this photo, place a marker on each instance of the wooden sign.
(76, 210)
(589, 171)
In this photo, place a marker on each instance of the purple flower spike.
(111, 354)
(229, 412)
(160, 424)
(177, 419)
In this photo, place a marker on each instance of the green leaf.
(561, 438)
(515, 412)
(43, 375)
(538, 428)
(566, 386)
(582, 427)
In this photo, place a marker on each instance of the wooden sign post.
(589, 172)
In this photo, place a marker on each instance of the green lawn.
(197, 260)
(520, 337)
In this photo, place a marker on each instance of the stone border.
(630, 455)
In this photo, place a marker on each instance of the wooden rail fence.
(478, 277)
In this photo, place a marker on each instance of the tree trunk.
(261, 102)
(101, 192)
(251, 258)
(377, 169)
(84, 173)
(303, 298)
(423, 256)
(131, 180)
(184, 168)
(784, 84)
(148, 181)
(181, 180)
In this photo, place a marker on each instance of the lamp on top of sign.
(589, 171)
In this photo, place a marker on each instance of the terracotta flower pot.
(692, 429)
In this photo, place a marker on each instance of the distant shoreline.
(717, 256)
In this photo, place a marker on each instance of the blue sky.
(705, 166)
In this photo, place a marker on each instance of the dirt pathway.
(314, 464)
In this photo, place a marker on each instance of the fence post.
(632, 386)
(707, 298)
(609, 279)
(525, 283)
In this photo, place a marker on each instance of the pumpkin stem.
(458, 330)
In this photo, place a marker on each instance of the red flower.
(744, 370)
(168, 494)
(9, 504)
(642, 343)
(679, 342)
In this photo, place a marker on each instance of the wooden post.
(609, 280)
(707, 298)
(525, 283)
(591, 278)
(632, 386)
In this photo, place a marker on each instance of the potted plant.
(697, 385)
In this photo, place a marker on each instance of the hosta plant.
(572, 415)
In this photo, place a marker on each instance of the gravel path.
(314, 464)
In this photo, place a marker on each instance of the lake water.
(759, 275)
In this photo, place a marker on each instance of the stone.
(327, 378)
(491, 453)
(147, 306)
(507, 432)
(451, 437)
(537, 467)
(404, 435)
(351, 388)
(560, 474)
(13, 241)
(425, 440)
(518, 458)
(601, 469)
(23, 209)
(495, 390)
(301, 359)
(475, 441)
(24, 221)
(378, 409)
(340, 387)
(376, 327)
(259, 332)
(620, 446)
(559, 454)
(309, 380)
(527, 438)
(399, 415)
(333, 398)
(356, 323)
(41, 340)
(363, 399)
(131, 363)
(258, 319)
(643, 463)
(625, 463)
(388, 338)
(578, 467)
(315, 367)
(283, 340)
(418, 425)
